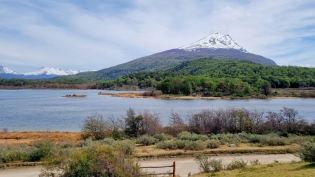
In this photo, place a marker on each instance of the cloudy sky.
(96, 34)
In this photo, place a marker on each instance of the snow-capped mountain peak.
(52, 71)
(5, 70)
(214, 41)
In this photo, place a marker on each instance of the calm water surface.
(46, 110)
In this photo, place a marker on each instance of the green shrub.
(215, 164)
(212, 144)
(195, 145)
(308, 152)
(14, 153)
(277, 141)
(42, 150)
(236, 164)
(146, 140)
(206, 164)
(179, 144)
(202, 161)
(66, 145)
(191, 136)
(94, 161)
(87, 142)
(184, 135)
(126, 146)
(163, 145)
(107, 141)
(162, 137)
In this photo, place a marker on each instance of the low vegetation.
(304, 169)
(108, 144)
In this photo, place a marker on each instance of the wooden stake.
(174, 167)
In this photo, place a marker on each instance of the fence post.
(53, 175)
(174, 167)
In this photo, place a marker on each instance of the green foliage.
(125, 146)
(43, 148)
(96, 126)
(206, 164)
(308, 152)
(94, 161)
(236, 164)
(146, 140)
(134, 124)
(212, 144)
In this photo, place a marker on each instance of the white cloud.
(74, 36)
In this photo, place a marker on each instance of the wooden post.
(174, 167)
(53, 175)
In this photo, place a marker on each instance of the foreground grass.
(296, 169)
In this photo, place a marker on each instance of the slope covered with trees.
(211, 77)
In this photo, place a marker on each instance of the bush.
(96, 126)
(14, 153)
(162, 137)
(42, 150)
(191, 136)
(236, 164)
(215, 164)
(277, 141)
(146, 140)
(107, 141)
(206, 164)
(95, 161)
(308, 152)
(212, 144)
(202, 161)
(195, 145)
(126, 146)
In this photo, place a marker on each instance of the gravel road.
(183, 165)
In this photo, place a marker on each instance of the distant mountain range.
(44, 72)
(215, 46)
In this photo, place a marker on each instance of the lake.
(47, 110)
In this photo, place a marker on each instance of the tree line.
(230, 120)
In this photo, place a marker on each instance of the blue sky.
(97, 34)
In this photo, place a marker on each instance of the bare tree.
(176, 123)
(151, 122)
(96, 126)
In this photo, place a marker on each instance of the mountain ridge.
(43, 72)
(215, 46)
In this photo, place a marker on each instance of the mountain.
(214, 41)
(44, 72)
(215, 46)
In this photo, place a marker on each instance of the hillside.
(215, 46)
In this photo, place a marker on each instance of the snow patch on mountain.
(5, 70)
(214, 41)
(52, 71)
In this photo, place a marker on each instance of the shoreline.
(176, 97)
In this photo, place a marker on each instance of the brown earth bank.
(278, 94)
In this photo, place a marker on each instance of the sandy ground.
(183, 165)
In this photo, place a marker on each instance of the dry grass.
(15, 138)
(246, 148)
(297, 169)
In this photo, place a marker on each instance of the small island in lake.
(74, 96)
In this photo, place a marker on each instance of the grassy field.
(294, 169)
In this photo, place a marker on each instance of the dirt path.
(183, 165)
(188, 165)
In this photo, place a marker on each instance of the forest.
(206, 77)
